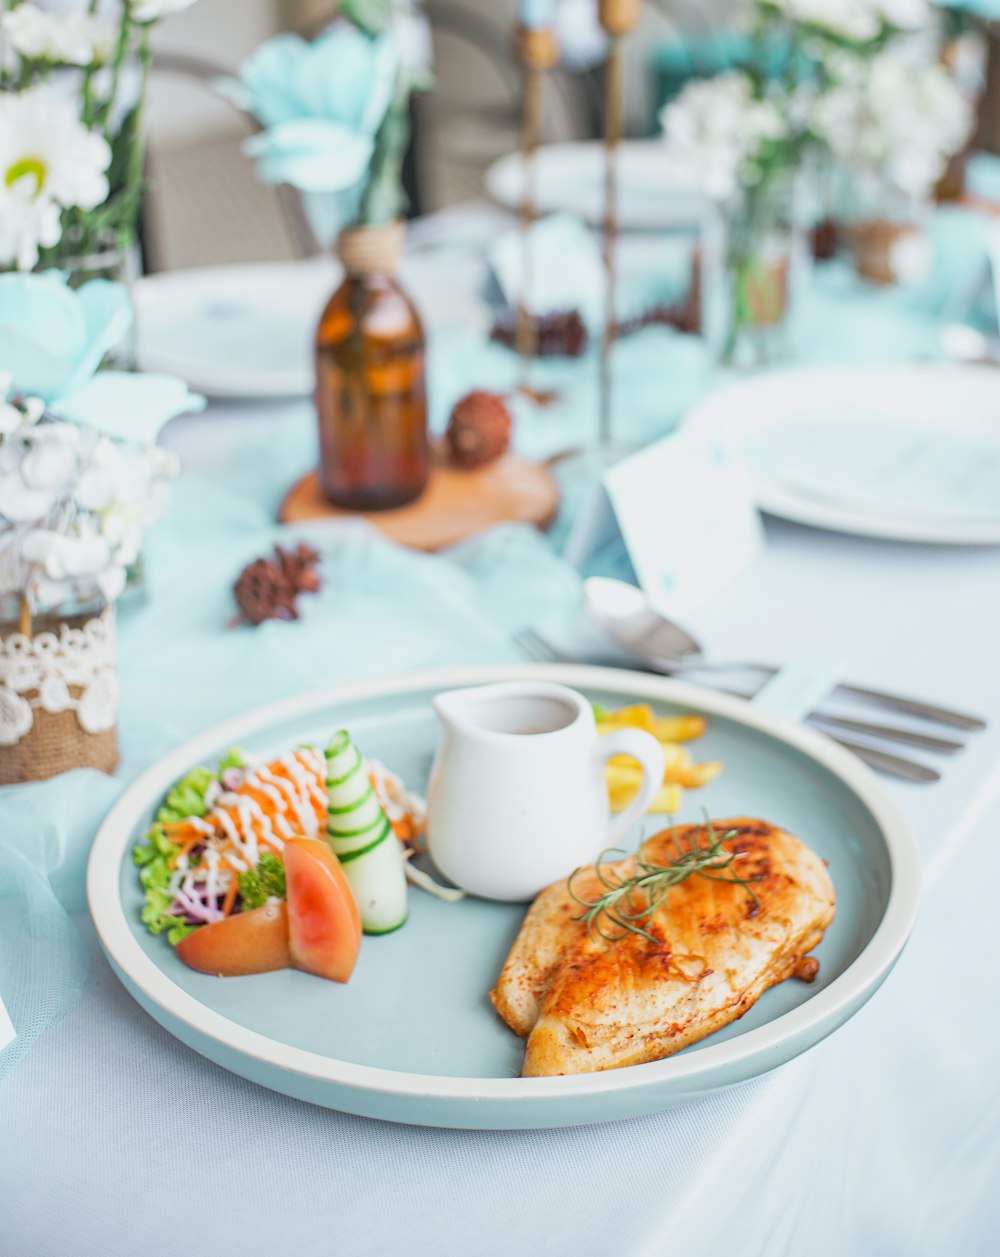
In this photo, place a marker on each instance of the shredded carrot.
(186, 847)
(230, 899)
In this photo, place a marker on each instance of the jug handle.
(640, 746)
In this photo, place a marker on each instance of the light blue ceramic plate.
(413, 1037)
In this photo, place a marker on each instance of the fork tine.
(535, 646)
(526, 646)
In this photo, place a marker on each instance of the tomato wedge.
(324, 925)
(249, 942)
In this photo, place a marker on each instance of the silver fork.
(539, 648)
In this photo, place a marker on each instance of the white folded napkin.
(565, 268)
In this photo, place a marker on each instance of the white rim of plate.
(710, 419)
(502, 180)
(860, 978)
(240, 281)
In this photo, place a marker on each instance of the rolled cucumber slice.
(361, 837)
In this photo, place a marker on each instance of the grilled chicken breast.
(585, 1003)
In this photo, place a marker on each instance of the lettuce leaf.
(152, 856)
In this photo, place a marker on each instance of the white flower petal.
(95, 489)
(16, 718)
(51, 466)
(48, 161)
(111, 582)
(21, 504)
(10, 419)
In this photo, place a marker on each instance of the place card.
(7, 1032)
(686, 515)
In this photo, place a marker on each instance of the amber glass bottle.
(370, 393)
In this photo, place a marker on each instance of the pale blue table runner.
(382, 609)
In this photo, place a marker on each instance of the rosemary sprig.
(650, 884)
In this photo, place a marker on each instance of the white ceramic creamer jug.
(517, 796)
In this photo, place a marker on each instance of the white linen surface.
(116, 1140)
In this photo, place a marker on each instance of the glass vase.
(110, 257)
(888, 231)
(370, 392)
(759, 251)
(58, 690)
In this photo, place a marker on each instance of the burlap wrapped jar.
(58, 695)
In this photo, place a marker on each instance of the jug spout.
(452, 706)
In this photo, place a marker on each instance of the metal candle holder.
(618, 18)
(536, 52)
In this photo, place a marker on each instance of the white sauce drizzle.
(231, 831)
(257, 782)
(212, 875)
(304, 814)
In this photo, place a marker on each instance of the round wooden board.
(455, 505)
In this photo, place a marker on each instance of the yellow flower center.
(27, 168)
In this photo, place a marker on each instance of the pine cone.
(299, 567)
(561, 334)
(478, 431)
(267, 588)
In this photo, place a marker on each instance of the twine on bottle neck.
(371, 250)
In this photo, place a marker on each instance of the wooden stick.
(536, 50)
(613, 125)
(25, 617)
(531, 125)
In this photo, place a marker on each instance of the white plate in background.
(247, 331)
(570, 177)
(904, 453)
(235, 331)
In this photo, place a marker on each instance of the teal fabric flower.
(986, 9)
(320, 104)
(52, 338)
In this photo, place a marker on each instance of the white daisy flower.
(154, 10)
(857, 20)
(57, 38)
(903, 120)
(716, 129)
(48, 162)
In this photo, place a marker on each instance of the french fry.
(679, 728)
(674, 758)
(667, 799)
(639, 716)
(694, 775)
(680, 770)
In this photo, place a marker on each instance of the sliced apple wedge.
(249, 942)
(324, 924)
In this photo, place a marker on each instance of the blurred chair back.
(204, 204)
(472, 116)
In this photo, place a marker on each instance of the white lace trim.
(37, 672)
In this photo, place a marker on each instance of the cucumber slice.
(361, 837)
(378, 880)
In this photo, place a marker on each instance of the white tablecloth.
(115, 1140)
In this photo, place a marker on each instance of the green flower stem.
(753, 303)
(87, 110)
(121, 48)
(382, 200)
(135, 166)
